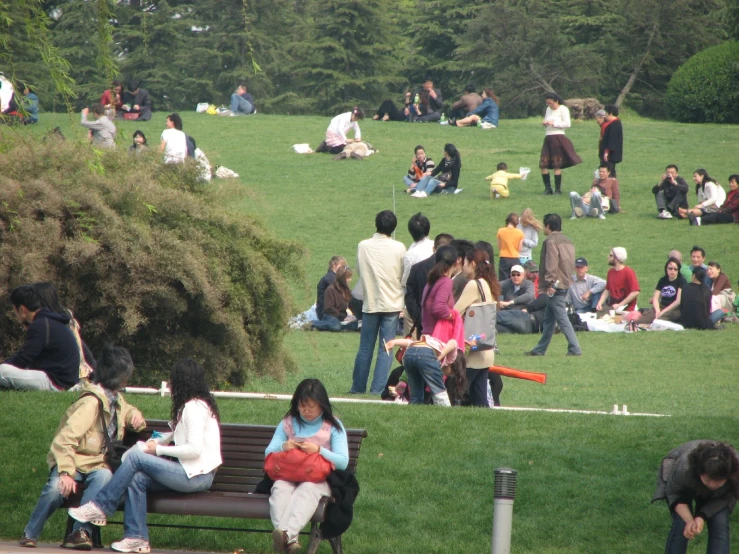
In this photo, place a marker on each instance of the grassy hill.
(585, 481)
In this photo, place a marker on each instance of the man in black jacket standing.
(611, 145)
(50, 357)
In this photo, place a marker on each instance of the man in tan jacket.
(77, 453)
(556, 267)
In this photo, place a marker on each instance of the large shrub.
(706, 88)
(146, 257)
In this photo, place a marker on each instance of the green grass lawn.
(426, 474)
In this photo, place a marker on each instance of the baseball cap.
(581, 262)
(517, 269)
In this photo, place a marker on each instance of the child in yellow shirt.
(499, 181)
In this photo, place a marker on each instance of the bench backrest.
(242, 450)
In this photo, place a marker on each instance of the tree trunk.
(637, 67)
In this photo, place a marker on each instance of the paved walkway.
(45, 548)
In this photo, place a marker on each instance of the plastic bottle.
(417, 98)
(443, 120)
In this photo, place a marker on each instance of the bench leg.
(70, 524)
(315, 539)
(336, 545)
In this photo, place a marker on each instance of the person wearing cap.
(532, 274)
(517, 291)
(585, 290)
(597, 200)
(611, 143)
(622, 286)
(556, 266)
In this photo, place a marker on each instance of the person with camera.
(671, 193)
(77, 456)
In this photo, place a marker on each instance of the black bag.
(114, 449)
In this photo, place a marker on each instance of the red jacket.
(731, 205)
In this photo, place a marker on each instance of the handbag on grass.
(297, 466)
(479, 321)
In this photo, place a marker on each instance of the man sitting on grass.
(604, 195)
(622, 286)
(50, 358)
(670, 193)
(585, 290)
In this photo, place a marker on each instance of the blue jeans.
(410, 183)
(138, 474)
(595, 202)
(716, 316)
(331, 323)
(422, 368)
(240, 105)
(594, 299)
(428, 184)
(51, 499)
(718, 534)
(556, 311)
(384, 324)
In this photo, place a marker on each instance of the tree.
(350, 54)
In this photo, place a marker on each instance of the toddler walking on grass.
(499, 181)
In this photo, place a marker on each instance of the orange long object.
(519, 374)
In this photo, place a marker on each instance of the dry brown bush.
(583, 108)
(146, 256)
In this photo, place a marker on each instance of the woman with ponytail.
(340, 125)
(479, 270)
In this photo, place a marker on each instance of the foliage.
(145, 257)
(706, 88)
(309, 56)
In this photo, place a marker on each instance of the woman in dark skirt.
(557, 152)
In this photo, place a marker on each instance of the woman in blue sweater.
(309, 426)
(485, 115)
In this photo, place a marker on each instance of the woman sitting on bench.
(311, 428)
(186, 467)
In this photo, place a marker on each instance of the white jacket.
(197, 440)
(711, 195)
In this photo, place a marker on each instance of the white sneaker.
(664, 214)
(419, 194)
(131, 545)
(698, 220)
(601, 216)
(457, 191)
(89, 513)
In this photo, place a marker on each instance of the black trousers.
(389, 108)
(717, 217)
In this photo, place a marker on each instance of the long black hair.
(454, 156)
(706, 178)
(312, 389)
(718, 461)
(187, 382)
(677, 263)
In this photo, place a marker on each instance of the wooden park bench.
(232, 493)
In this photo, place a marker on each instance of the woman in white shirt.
(188, 466)
(174, 141)
(711, 196)
(340, 125)
(557, 152)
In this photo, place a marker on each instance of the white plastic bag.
(205, 169)
(524, 171)
(202, 107)
(225, 173)
(664, 325)
(302, 148)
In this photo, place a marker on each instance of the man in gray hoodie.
(102, 129)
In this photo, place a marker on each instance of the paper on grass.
(302, 148)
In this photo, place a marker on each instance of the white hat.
(619, 252)
(517, 268)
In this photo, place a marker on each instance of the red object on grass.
(519, 374)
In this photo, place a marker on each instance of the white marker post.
(504, 495)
